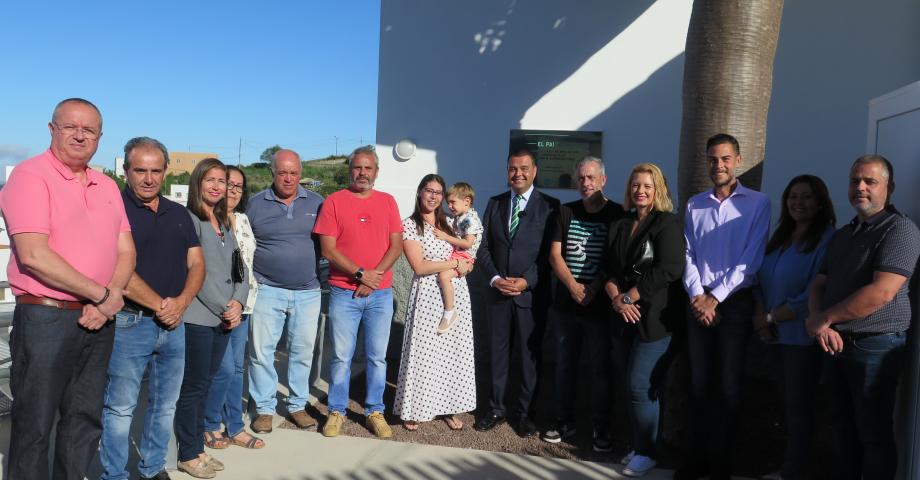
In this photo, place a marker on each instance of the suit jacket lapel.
(504, 212)
(531, 208)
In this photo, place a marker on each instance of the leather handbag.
(642, 261)
(237, 269)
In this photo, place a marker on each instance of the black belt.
(137, 311)
(853, 336)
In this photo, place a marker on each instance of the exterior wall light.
(404, 150)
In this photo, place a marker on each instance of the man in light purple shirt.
(726, 230)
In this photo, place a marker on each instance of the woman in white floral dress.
(436, 372)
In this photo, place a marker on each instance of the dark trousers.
(572, 333)
(58, 367)
(204, 351)
(801, 369)
(716, 357)
(513, 339)
(864, 380)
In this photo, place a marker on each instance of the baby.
(466, 237)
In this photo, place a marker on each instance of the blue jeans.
(864, 380)
(204, 352)
(275, 307)
(346, 315)
(225, 398)
(645, 372)
(716, 356)
(141, 343)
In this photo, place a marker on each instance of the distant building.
(179, 162)
(184, 162)
(178, 193)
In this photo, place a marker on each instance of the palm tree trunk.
(728, 78)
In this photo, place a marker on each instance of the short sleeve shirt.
(286, 255)
(885, 242)
(469, 224)
(82, 222)
(162, 239)
(361, 228)
(583, 236)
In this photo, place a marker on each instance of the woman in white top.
(225, 398)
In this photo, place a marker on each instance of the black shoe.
(525, 427)
(560, 431)
(602, 441)
(691, 471)
(489, 422)
(159, 476)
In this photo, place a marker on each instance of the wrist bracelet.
(104, 297)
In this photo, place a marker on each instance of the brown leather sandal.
(453, 422)
(254, 442)
(216, 440)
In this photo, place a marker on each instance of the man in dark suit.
(513, 255)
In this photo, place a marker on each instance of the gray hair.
(274, 161)
(368, 150)
(588, 159)
(81, 101)
(888, 172)
(144, 142)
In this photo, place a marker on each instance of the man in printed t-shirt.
(579, 311)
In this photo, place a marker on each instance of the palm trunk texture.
(728, 78)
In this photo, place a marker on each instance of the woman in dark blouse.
(645, 254)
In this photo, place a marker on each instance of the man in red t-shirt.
(361, 235)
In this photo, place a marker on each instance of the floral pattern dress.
(247, 245)
(437, 373)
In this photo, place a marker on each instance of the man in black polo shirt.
(149, 330)
(860, 313)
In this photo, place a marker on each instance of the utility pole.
(336, 145)
(239, 154)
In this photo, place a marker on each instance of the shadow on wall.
(482, 93)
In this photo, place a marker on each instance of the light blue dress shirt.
(725, 241)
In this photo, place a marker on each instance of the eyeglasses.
(235, 187)
(71, 130)
(436, 193)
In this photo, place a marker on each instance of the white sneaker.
(638, 466)
(628, 458)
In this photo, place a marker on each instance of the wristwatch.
(359, 274)
(627, 300)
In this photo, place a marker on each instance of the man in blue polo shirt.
(149, 330)
(285, 266)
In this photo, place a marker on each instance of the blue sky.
(195, 75)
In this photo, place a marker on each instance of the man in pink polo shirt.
(72, 256)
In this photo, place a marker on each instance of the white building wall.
(455, 77)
